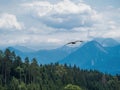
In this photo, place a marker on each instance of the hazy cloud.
(52, 23)
(64, 14)
(9, 21)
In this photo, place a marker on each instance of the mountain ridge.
(93, 55)
(90, 55)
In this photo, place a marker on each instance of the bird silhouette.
(74, 42)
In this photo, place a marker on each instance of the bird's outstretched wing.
(74, 42)
(78, 41)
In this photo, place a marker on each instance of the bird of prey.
(74, 42)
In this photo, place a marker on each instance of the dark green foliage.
(72, 87)
(18, 75)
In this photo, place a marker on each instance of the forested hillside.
(18, 75)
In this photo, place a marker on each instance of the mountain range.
(44, 56)
(100, 54)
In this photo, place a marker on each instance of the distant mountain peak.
(23, 48)
(107, 42)
(93, 46)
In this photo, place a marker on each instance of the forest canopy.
(18, 74)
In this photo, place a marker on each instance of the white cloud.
(42, 8)
(9, 21)
(42, 30)
(53, 40)
(13, 39)
(63, 14)
(67, 7)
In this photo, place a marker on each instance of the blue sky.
(52, 23)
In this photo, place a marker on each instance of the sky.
(46, 24)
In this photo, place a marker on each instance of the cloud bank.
(64, 14)
(51, 23)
